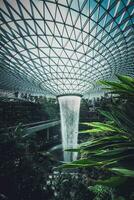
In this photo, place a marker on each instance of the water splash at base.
(69, 112)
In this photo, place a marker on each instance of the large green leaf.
(121, 120)
(118, 86)
(95, 130)
(105, 140)
(87, 163)
(107, 114)
(100, 127)
(113, 181)
(123, 116)
(124, 88)
(108, 148)
(115, 151)
(73, 150)
(127, 80)
(123, 172)
(101, 155)
(119, 145)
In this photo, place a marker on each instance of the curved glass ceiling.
(64, 46)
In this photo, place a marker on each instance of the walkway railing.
(36, 126)
(40, 126)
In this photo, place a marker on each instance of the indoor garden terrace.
(66, 99)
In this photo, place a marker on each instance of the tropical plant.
(69, 186)
(113, 148)
(24, 167)
(102, 192)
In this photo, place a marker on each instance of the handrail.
(40, 127)
(32, 124)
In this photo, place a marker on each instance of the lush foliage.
(69, 186)
(24, 167)
(102, 192)
(26, 171)
(113, 147)
(51, 108)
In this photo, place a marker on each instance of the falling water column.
(69, 112)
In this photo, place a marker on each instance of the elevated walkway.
(32, 128)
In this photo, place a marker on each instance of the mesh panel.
(64, 46)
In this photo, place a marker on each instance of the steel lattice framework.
(64, 46)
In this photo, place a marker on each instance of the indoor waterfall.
(69, 112)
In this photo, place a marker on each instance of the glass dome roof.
(57, 47)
